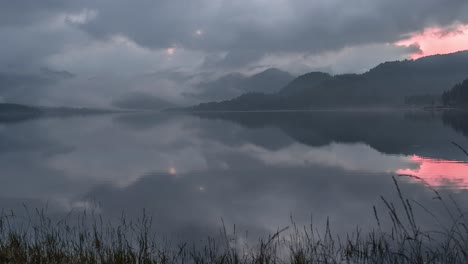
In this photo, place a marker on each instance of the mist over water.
(191, 173)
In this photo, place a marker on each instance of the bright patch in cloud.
(82, 17)
(170, 51)
(198, 32)
(436, 40)
(172, 171)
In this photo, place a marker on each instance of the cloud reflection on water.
(190, 172)
(438, 172)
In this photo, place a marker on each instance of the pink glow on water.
(439, 173)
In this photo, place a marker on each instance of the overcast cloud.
(130, 38)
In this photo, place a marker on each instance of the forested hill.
(388, 84)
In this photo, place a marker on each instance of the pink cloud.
(436, 40)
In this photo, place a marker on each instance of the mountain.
(245, 102)
(235, 84)
(388, 84)
(222, 88)
(268, 81)
(141, 101)
(457, 96)
(302, 83)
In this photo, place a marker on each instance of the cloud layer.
(127, 38)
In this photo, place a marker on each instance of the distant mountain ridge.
(141, 101)
(231, 85)
(304, 82)
(388, 84)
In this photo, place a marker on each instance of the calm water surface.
(254, 170)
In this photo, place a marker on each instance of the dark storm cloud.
(233, 58)
(30, 32)
(275, 26)
(248, 29)
(25, 12)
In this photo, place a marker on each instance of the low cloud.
(127, 39)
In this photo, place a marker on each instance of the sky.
(164, 47)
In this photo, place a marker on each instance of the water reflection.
(390, 132)
(381, 141)
(254, 170)
(438, 173)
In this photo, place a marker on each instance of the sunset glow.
(439, 173)
(436, 40)
(170, 51)
(172, 171)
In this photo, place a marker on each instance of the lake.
(195, 173)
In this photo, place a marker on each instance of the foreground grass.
(89, 240)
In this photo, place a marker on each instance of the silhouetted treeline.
(457, 96)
